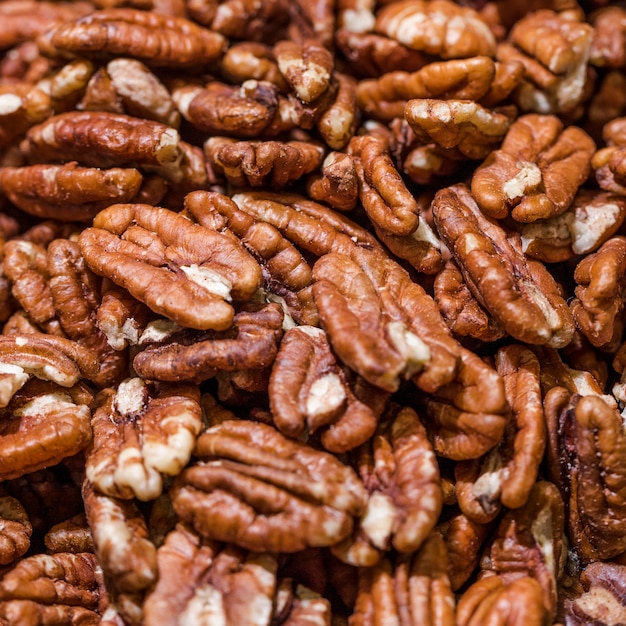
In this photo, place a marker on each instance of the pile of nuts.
(312, 312)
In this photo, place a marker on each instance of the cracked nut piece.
(584, 457)
(264, 492)
(15, 531)
(156, 39)
(181, 270)
(400, 472)
(465, 125)
(251, 343)
(602, 599)
(67, 192)
(42, 425)
(200, 582)
(592, 218)
(141, 432)
(600, 295)
(520, 293)
(536, 172)
(410, 590)
(308, 391)
(439, 27)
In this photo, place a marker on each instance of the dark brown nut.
(241, 19)
(602, 600)
(338, 183)
(592, 218)
(21, 106)
(464, 540)
(120, 537)
(239, 111)
(307, 67)
(141, 433)
(71, 535)
(583, 455)
(16, 530)
(384, 98)
(136, 245)
(492, 601)
(582, 356)
(607, 103)
(250, 343)
(414, 590)
(382, 192)
(24, 63)
(100, 139)
(309, 391)
(56, 581)
(371, 55)
(440, 28)
(530, 542)
(141, 93)
(520, 293)
(429, 164)
(23, 20)
(399, 469)
(100, 95)
(555, 52)
(198, 580)
(156, 39)
(537, 172)
(508, 472)
(338, 118)
(600, 292)
(42, 425)
(49, 358)
(461, 311)
(608, 45)
(250, 60)
(257, 163)
(67, 192)
(465, 125)
(264, 492)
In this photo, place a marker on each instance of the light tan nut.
(440, 28)
(537, 171)
(265, 492)
(133, 245)
(21, 106)
(156, 39)
(141, 433)
(520, 293)
(251, 60)
(338, 119)
(307, 67)
(462, 124)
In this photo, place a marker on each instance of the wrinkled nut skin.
(439, 28)
(141, 433)
(71, 535)
(492, 601)
(520, 293)
(135, 245)
(16, 530)
(43, 424)
(585, 461)
(156, 39)
(414, 590)
(308, 390)
(68, 192)
(251, 343)
(599, 300)
(337, 184)
(536, 172)
(264, 492)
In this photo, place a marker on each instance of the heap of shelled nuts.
(312, 312)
